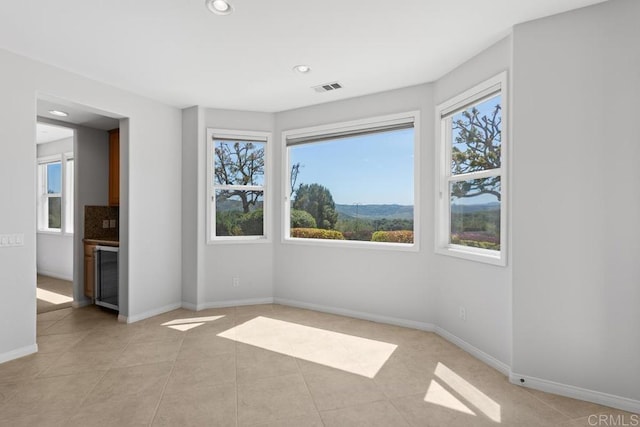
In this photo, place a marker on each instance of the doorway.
(55, 165)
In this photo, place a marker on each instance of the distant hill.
(375, 211)
(485, 207)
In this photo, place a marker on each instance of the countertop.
(104, 241)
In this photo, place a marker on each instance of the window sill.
(54, 233)
(473, 254)
(238, 240)
(353, 244)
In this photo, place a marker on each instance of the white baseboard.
(227, 303)
(150, 313)
(17, 353)
(56, 275)
(80, 304)
(474, 351)
(573, 392)
(358, 314)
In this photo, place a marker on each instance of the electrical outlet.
(235, 282)
(112, 223)
(463, 313)
(105, 223)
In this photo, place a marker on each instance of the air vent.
(327, 87)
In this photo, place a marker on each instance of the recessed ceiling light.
(219, 7)
(303, 69)
(59, 113)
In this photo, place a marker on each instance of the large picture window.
(471, 194)
(352, 183)
(55, 193)
(236, 185)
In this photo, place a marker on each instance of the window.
(55, 190)
(471, 195)
(353, 183)
(237, 190)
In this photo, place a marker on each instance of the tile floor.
(57, 294)
(266, 365)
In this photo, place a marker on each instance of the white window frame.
(352, 126)
(489, 88)
(240, 135)
(66, 194)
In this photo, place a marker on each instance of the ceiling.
(49, 133)
(177, 52)
(77, 115)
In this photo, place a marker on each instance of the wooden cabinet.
(89, 269)
(114, 167)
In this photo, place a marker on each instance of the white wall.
(383, 284)
(576, 200)
(252, 263)
(54, 256)
(151, 202)
(483, 290)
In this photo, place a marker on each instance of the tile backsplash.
(96, 217)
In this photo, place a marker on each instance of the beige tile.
(44, 395)
(272, 399)
(54, 315)
(332, 388)
(202, 406)
(419, 413)
(570, 407)
(58, 343)
(43, 325)
(27, 367)
(138, 353)
(134, 380)
(309, 420)
(117, 411)
(74, 363)
(255, 363)
(53, 418)
(202, 347)
(214, 371)
(397, 378)
(381, 413)
(158, 333)
(95, 341)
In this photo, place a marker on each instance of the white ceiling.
(177, 52)
(49, 133)
(78, 115)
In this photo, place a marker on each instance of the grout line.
(304, 380)
(164, 386)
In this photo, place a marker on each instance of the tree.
(295, 170)
(302, 219)
(479, 135)
(317, 200)
(239, 163)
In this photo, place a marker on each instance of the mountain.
(375, 211)
(485, 207)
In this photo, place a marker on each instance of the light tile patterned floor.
(200, 369)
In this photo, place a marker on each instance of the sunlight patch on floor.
(349, 353)
(440, 396)
(52, 297)
(190, 322)
(472, 394)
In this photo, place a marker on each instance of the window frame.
(240, 135)
(473, 96)
(351, 126)
(66, 194)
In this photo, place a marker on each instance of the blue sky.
(54, 178)
(368, 169)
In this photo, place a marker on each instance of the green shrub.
(398, 236)
(316, 233)
(302, 219)
(475, 244)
